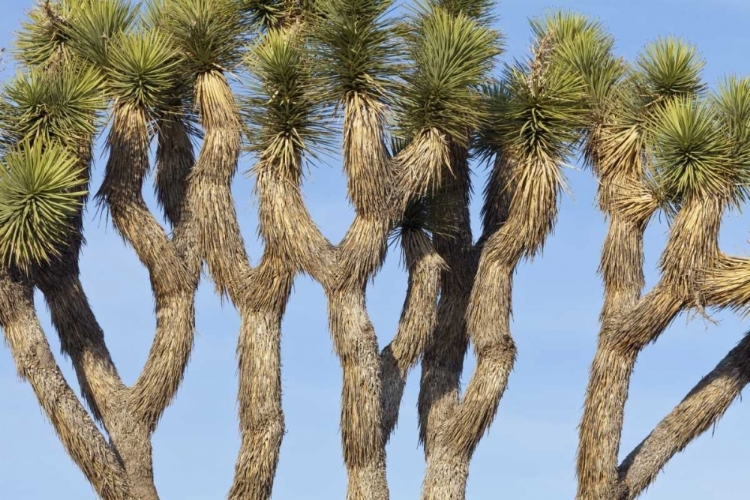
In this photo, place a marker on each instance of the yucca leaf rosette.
(40, 191)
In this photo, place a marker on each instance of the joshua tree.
(419, 102)
(657, 141)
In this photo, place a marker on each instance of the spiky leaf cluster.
(96, 25)
(732, 101)
(587, 48)
(450, 56)
(272, 14)
(61, 105)
(669, 67)
(40, 190)
(478, 10)
(209, 33)
(693, 153)
(282, 110)
(143, 69)
(43, 36)
(356, 46)
(534, 111)
(59, 31)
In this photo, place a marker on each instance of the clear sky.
(530, 450)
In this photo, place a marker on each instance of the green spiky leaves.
(143, 69)
(536, 111)
(586, 47)
(732, 100)
(670, 67)
(478, 10)
(693, 151)
(43, 37)
(95, 25)
(61, 105)
(451, 55)
(40, 190)
(210, 33)
(268, 14)
(57, 31)
(283, 112)
(356, 46)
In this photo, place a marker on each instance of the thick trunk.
(35, 363)
(458, 437)
(609, 381)
(361, 418)
(447, 474)
(83, 340)
(701, 408)
(260, 295)
(259, 355)
(443, 360)
(692, 249)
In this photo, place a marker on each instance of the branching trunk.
(530, 217)
(692, 249)
(174, 290)
(260, 295)
(704, 405)
(35, 363)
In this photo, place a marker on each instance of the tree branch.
(704, 405)
(35, 363)
(259, 355)
(174, 289)
(692, 250)
(417, 323)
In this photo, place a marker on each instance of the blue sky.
(530, 450)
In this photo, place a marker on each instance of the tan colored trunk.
(361, 417)
(443, 360)
(173, 285)
(417, 322)
(692, 249)
(702, 407)
(83, 340)
(259, 355)
(518, 218)
(35, 363)
(260, 295)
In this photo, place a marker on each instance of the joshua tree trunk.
(691, 251)
(35, 363)
(516, 225)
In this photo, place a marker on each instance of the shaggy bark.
(621, 268)
(530, 217)
(692, 249)
(260, 294)
(704, 405)
(174, 291)
(259, 355)
(417, 322)
(36, 364)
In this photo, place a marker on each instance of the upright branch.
(530, 152)
(698, 173)
(721, 283)
(74, 90)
